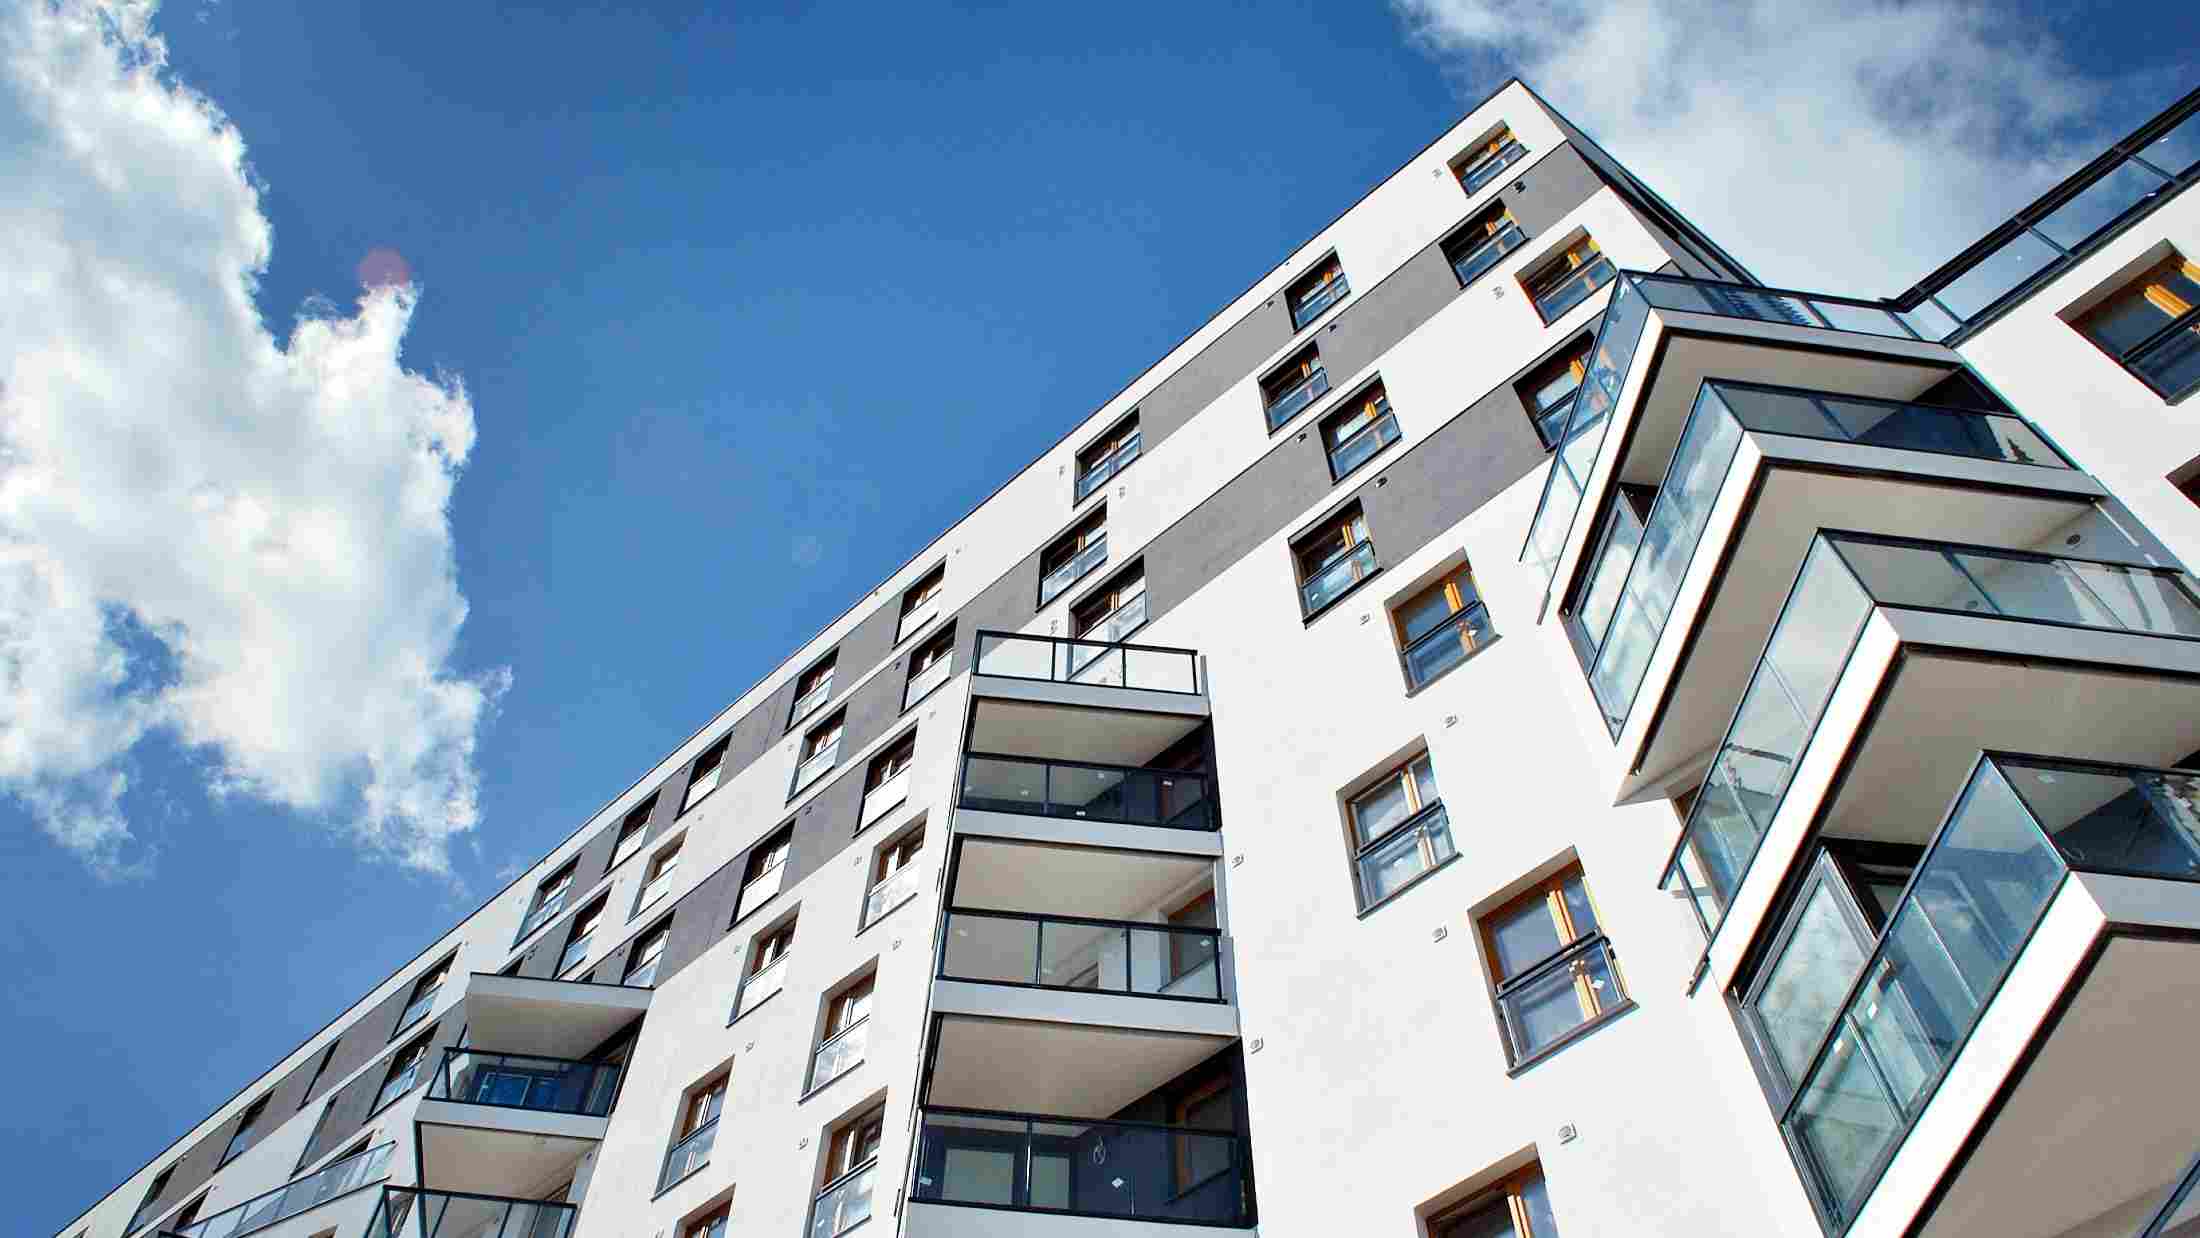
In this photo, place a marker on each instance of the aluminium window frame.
(1101, 460)
(1418, 816)
(2184, 322)
(1368, 395)
(1574, 946)
(1464, 599)
(1317, 280)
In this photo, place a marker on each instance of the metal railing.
(1111, 664)
(411, 1212)
(1359, 446)
(760, 985)
(1289, 402)
(844, 1203)
(1447, 644)
(1471, 263)
(301, 1195)
(1843, 578)
(891, 892)
(1336, 576)
(808, 702)
(1126, 794)
(922, 683)
(1082, 1166)
(1139, 958)
(839, 1055)
(1311, 307)
(1073, 570)
(1579, 285)
(1118, 460)
(691, 1153)
(525, 1081)
(1993, 867)
(1485, 170)
(1397, 859)
(1546, 1004)
(760, 890)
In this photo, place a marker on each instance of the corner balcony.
(505, 1122)
(1892, 664)
(1673, 603)
(554, 1018)
(2012, 1056)
(1095, 700)
(334, 1197)
(407, 1212)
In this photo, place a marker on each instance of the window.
(1114, 611)
(1109, 455)
(1207, 1107)
(404, 1070)
(319, 1068)
(424, 993)
(1192, 952)
(1441, 626)
(886, 783)
(695, 1131)
(576, 941)
(1399, 831)
(1480, 166)
(146, 1210)
(185, 1216)
(820, 752)
(711, 1224)
(1316, 291)
(766, 871)
(1072, 555)
(813, 688)
(1333, 558)
(1567, 280)
(766, 972)
(1554, 970)
(633, 828)
(892, 881)
(1353, 434)
(662, 868)
(843, 1039)
(1517, 1207)
(246, 1134)
(921, 602)
(851, 1160)
(2151, 326)
(549, 899)
(929, 667)
(1476, 247)
(1549, 389)
(1292, 386)
(703, 778)
(641, 966)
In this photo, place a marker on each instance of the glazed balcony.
(409, 1212)
(329, 1197)
(502, 1122)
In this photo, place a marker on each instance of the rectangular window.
(248, 1132)
(921, 602)
(1399, 831)
(1290, 387)
(703, 778)
(320, 1068)
(1549, 389)
(886, 783)
(1441, 626)
(893, 882)
(641, 966)
(576, 942)
(424, 993)
(146, 1209)
(1109, 455)
(767, 968)
(820, 752)
(1553, 966)
(812, 688)
(766, 872)
(663, 867)
(695, 1132)
(549, 899)
(1517, 1207)
(1073, 555)
(1485, 163)
(1316, 291)
(185, 1217)
(633, 829)
(2151, 326)
(405, 1070)
(1115, 611)
(1356, 432)
(851, 1161)
(1476, 247)
(929, 666)
(843, 1040)
(711, 1224)
(1333, 558)
(1567, 279)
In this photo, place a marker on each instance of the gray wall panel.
(1226, 362)
(1552, 188)
(351, 1107)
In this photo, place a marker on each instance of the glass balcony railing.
(284, 1202)
(1083, 1167)
(691, 1153)
(1129, 795)
(1074, 952)
(1362, 444)
(1491, 166)
(884, 798)
(890, 893)
(1554, 300)
(1987, 878)
(1636, 570)
(1470, 264)
(1289, 403)
(409, 1212)
(807, 703)
(845, 1203)
(1337, 576)
(525, 1081)
(1843, 578)
(1118, 460)
(922, 683)
(815, 768)
(843, 1053)
(1311, 306)
(761, 985)
(1092, 556)
(418, 1009)
(1152, 668)
(759, 890)
(542, 913)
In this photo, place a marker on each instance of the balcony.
(1670, 604)
(552, 1018)
(267, 1213)
(406, 1212)
(1892, 663)
(1118, 460)
(1033, 1163)
(2012, 1056)
(497, 1122)
(1098, 664)
(1076, 953)
(1084, 791)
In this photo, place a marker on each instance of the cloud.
(234, 544)
(1831, 145)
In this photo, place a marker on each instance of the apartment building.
(1511, 727)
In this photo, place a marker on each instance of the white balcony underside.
(1069, 881)
(1074, 831)
(551, 1018)
(1082, 1006)
(1088, 696)
(1077, 1071)
(932, 1220)
(492, 1150)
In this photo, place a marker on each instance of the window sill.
(1392, 897)
(1414, 690)
(668, 1187)
(1338, 600)
(1551, 1050)
(815, 1089)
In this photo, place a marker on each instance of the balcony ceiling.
(1073, 881)
(1064, 1069)
(1067, 733)
(491, 1151)
(554, 1018)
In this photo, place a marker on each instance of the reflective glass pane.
(2023, 257)
(1004, 786)
(2099, 204)
(2035, 589)
(1379, 810)
(1387, 869)
(2177, 151)
(1525, 937)
(1805, 985)
(997, 948)
(1842, 1121)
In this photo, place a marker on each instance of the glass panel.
(1082, 956)
(1842, 1120)
(2021, 258)
(841, 1054)
(1389, 867)
(1609, 361)
(2034, 589)
(1381, 809)
(1450, 645)
(1330, 583)
(2172, 365)
(979, 1176)
(1014, 657)
(1158, 670)
(2099, 204)
(760, 986)
(845, 1206)
(997, 785)
(2178, 151)
(1862, 319)
(1480, 174)
(889, 894)
(1805, 985)
(1574, 289)
(2134, 821)
(1292, 401)
(1543, 1009)
(1930, 321)
(1471, 263)
(1525, 937)
(1536, 1202)
(994, 948)
(2140, 599)
(1615, 558)
(1363, 444)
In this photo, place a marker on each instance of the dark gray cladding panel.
(1419, 495)
(869, 643)
(1248, 510)
(1365, 328)
(352, 1106)
(701, 917)
(825, 824)
(1550, 189)
(1221, 365)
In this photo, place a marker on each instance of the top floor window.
(1550, 388)
(549, 899)
(1109, 455)
(1290, 387)
(703, 779)
(1360, 428)
(424, 995)
(633, 828)
(1485, 163)
(1072, 555)
(1316, 291)
(1476, 247)
(922, 601)
(813, 688)
(1335, 556)
(1568, 278)
(2151, 326)
(929, 666)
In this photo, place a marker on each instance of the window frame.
(1093, 611)
(1547, 276)
(1370, 405)
(1420, 813)
(405, 1063)
(933, 650)
(710, 763)
(562, 879)
(1463, 601)
(701, 1105)
(1572, 359)
(803, 706)
(1341, 522)
(2183, 320)
(1490, 154)
(1089, 533)
(920, 601)
(1100, 461)
(1180, 1108)
(576, 934)
(828, 735)
(1575, 946)
(658, 872)
(426, 987)
(1325, 279)
(634, 825)
(1494, 223)
(652, 938)
(1511, 1193)
(1302, 370)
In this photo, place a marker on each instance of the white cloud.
(1830, 145)
(207, 535)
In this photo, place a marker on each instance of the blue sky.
(732, 314)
